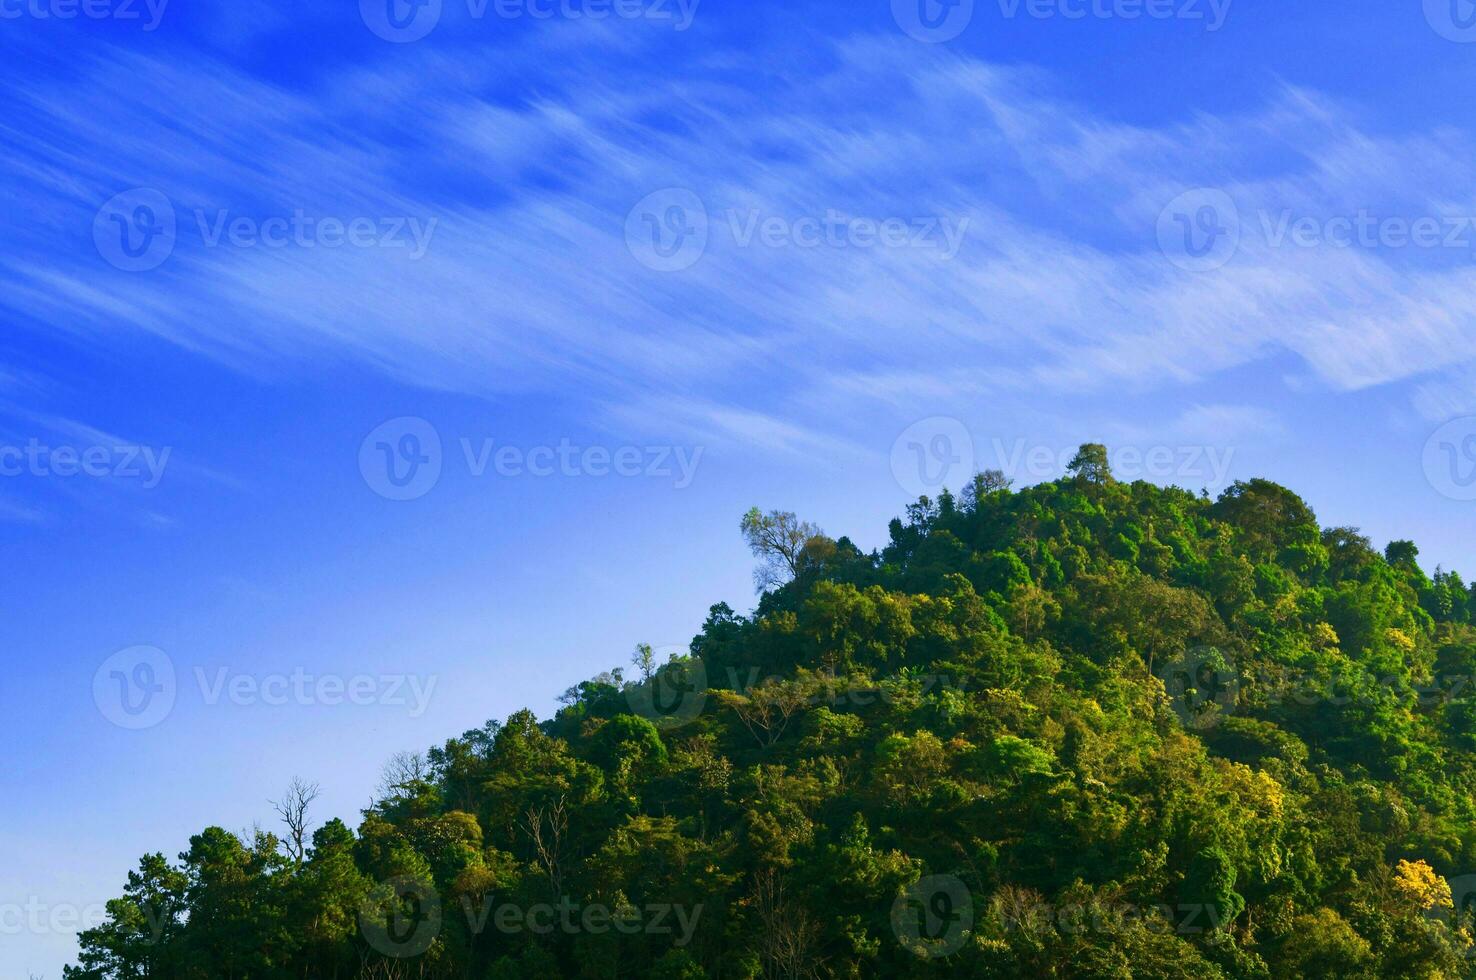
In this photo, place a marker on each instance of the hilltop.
(1081, 729)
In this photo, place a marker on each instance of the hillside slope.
(1083, 729)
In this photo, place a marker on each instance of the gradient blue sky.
(1061, 145)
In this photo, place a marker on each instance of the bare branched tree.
(768, 707)
(982, 485)
(790, 934)
(402, 770)
(783, 544)
(546, 827)
(375, 967)
(293, 809)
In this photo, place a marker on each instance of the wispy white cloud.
(13, 512)
(1221, 424)
(528, 283)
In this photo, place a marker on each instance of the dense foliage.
(1084, 729)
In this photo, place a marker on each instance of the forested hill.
(1080, 729)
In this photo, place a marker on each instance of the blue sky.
(669, 266)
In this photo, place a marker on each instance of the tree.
(1090, 464)
(1401, 553)
(981, 703)
(1417, 884)
(293, 808)
(982, 485)
(644, 660)
(141, 937)
(783, 544)
(1323, 944)
(401, 773)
